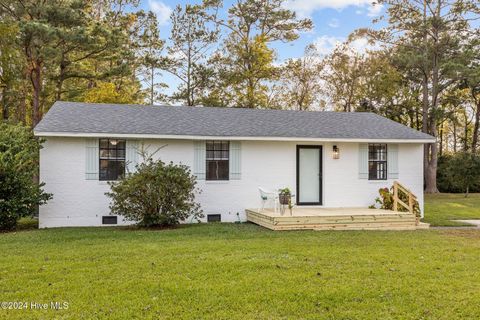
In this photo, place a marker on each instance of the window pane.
(113, 143)
(217, 170)
(104, 143)
(211, 170)
(372, 170)
(377, 152)
(222, 170)
(103, 173)
(112, 153)
(121, 153)
(103, 153)
(121, 144)
(377, 170)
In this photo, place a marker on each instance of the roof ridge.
(208, 107)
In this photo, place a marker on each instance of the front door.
(309, 175)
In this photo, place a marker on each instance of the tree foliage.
(157, 194)
(19, 193)
(244, 64)
(299, 84)
(428, 37)
(59, 50)
(192, 36)
(459, 172)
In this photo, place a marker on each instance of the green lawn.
(231, 271)
(441, 208)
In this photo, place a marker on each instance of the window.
(112, 159)
(377, 162)
(218, 153)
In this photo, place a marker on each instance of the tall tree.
(342, 77)
(428, 33)
(148, 48)
(300, 83)
(192, 36)
(471, 82)
(10, 69)
(246, 58)
(66, 47)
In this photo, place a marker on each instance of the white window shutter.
(392, 161)
(91, 159)
(131, 155)
(363, 161)
(199, 159)
(235, 161)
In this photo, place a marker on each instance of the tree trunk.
(476, 126)
(465, 132)
(454, 122)
(36, 80)
(432, 149)
(3, 98)
(440, 134)
(152, 83)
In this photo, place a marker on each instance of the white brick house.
(328, 159)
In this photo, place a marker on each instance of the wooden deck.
(304, 218)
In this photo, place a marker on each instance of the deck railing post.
(395, 196)
(410, 202)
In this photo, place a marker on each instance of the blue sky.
(333, 21)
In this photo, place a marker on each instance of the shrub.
(385, 201)
(459, 172)
(19, 193)
(157, 194)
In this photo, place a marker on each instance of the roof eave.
(198, 137)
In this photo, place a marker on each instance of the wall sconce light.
(336, 152)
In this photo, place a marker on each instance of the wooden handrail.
(412, 199)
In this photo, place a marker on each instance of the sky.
(333, 21)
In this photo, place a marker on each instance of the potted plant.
(284, 195)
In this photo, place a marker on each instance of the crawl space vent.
(214, 217)
(109, 220)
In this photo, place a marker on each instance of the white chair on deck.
(267, 195)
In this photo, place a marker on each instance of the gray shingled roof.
(72, 117)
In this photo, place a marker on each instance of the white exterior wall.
(269, 164)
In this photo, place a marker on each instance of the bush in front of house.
(386, 200)
(157, 194)
(20, 194)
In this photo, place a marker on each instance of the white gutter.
(190, 137)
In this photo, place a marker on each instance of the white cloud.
(374, 10)
(361, 45)
(334, 23)
(304, 8)
(326, 44)
(161, 10)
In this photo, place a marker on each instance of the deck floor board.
(314, 218)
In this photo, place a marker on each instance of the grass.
(441, 208)
(230, 271)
